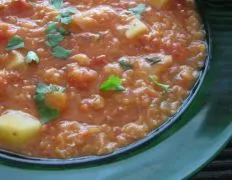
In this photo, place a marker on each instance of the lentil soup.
(87, 77)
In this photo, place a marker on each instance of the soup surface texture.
(86, 77)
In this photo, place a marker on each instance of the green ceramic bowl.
(201, 129)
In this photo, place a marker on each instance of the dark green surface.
(185, 147)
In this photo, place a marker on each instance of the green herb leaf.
(113, 83)
(15, 42)
(32, 57)
(66, 17)
(161, 85)
(54, 39)
(63, 31)
(138, 10)
(125, 63)
(153, 60)
(66, 20)
(46, 113)
(60, 52)
(51, 28)
(57, 3)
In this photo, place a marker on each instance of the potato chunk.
(56, 100)
(136, 28)
(17, 61)
(94, 18)
(159, 3)
(16, 127)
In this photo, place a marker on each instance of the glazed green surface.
(186, 146)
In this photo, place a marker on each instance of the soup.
(84, 77)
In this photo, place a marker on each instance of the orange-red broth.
(94, 121)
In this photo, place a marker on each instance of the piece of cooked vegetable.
(17, 61)
(56, 100)
(159, 3)
(16, 127)
(135, 29)
(153, 59)
(125, 63)
(15, 42)
(113, 83)
(32, 57)
(138, 10)
(161, 66)
(161, 85)
(82, 59)
(46, 112)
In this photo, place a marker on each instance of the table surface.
(220, 168)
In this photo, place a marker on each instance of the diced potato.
(93, 18)
(17, 127)
(159, 3)
(57, 100)
(81, 77)
(136, 28)
(17, 61)
(83, 21)
(82, 59)
(163, 65)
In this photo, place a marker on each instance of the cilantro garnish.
(161, 85)
(55, 36)
(52, 28)
(54, 39)
(153, 60)
(113, 83)
(63, 31)
(57, 3)
(66, 17)
(46, 113)
(138, 10)
(32, 57)
(60, 52)
(15, 42)
(125, 63)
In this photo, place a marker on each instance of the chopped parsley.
(55, 36)
(125, 63)
(52, 28)
(46, 113)
(60, 52)
(57, 3)
(161, 85)
(153, 60)
(15, 42)
(138, 10)
(32, 57)
(63, 31)
(66, 17)
(54, 39)
(113, 83)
